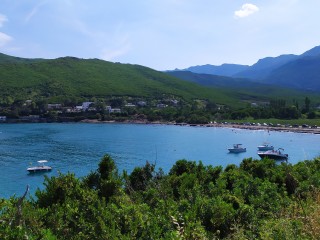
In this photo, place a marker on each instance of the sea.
(79, 147)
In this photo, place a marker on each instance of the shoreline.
(299, 129)
(220, 125)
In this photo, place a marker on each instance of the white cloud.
(113, 54)
(34, 10)
(4, 39)
(119, 45)
(246, 10)
(3, 19)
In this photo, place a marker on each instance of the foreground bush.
(259, 199)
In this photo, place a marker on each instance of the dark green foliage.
(70, 81)
(182, 166)
(192, 201)
(140, 177)
(68, 77)
(105, 180)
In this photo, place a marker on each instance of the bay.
(79, 147)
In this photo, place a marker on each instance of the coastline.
(282, 128)
(299, 129)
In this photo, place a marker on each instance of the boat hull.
(273, 156)
(265, 148)
(39, 169)
(237, 150)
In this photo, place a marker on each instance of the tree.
(105, 179)
(140, 177)
(307, 102)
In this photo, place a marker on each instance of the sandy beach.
(299, 129)
(274, 128)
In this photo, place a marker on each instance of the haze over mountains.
(294, 71)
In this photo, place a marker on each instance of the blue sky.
(164, 34)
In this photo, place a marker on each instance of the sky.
(160, 34)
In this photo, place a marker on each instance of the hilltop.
(68, 76)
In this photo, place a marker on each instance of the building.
(28, 102)
(161, 105)
(142, 103)
(175, 102)
(54, 106)
(130, 105)
(115, 110)
(86, 105)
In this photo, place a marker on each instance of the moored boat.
(265, 147)
(40, 168)
(237, 148)
(274, 154)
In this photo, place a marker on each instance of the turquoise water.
(78, 148)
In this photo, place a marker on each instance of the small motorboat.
(274, 154)
(265, 147)
(40, 168)
(237, 148)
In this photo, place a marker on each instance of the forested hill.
(60, 79)
(9, 59)
(69, 76)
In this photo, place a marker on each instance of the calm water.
(78, 148)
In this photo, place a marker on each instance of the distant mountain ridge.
(222, 70)
(264, 66)
(295, 71)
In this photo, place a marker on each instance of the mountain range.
(65, 78)
(294, 71)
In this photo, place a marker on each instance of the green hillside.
(245, 89)
(65, 77)
(9, 59)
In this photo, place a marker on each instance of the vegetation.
(167, 108)
(29, 86)
(66, 78)
(259, 199)
(248, 90)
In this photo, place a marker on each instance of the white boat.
(237, 148)
(40, 168)
(274, 154)
(265, 147)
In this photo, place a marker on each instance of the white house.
(54, 106)
(79, 108)
(86, 105)
(161, 105)
(130, 105)
(175, 102)
(115, 110)
(142, 103)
